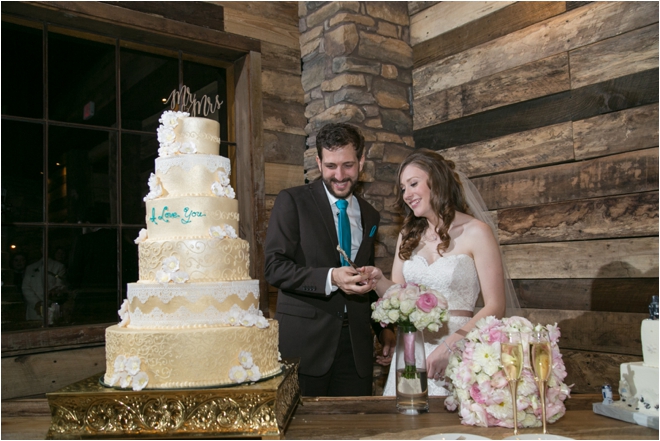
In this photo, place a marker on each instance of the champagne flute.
(511, 359)
(541, 355)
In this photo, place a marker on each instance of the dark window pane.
(210, 81)
(22, 73)
(138, 155)
(81, 80)
(22, 172)
(82, 172)
(129, 269)
(146, 80)
(23, 282)
(91, 274)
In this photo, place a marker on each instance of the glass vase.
(412, 394)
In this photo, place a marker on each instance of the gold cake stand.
(259, 410)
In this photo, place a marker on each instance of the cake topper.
(188, 102)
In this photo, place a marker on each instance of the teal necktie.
(344, 229)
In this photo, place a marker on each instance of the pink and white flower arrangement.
(480, 389)
(411, 304)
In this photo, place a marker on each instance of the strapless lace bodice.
(456, 278)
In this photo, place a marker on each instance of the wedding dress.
(454, 276)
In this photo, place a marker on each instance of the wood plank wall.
(552, 109)
(275, 24)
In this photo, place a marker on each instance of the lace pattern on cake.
(201, 136)
(186, 163)
(184, 318)
(193, 293)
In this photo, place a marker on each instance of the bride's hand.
(373, 274)
(437, 361)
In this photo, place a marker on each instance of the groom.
(323, 304)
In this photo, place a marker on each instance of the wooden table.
(369, 418)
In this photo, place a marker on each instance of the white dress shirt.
(355, 219)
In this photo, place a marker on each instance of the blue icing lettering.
(166, 215)
(188, 214)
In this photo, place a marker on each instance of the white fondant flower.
(230, 231)
(133, 365)
(169, 149)
(165, 135)
(262, 323)
(217, 232)
(113, 380)
(163, 277)
(140, 380)
(245, 359)
(120, 364)
(234, 317)
(248, 320)
(180, 277)
(237, 374)
(124, 314)
(153, 181)
(253, 373)
(125, 380)
(218, 189)
(279, 356)
(188, 148)
(142, 236)
(223, 178)
(153, 194)
(171, 264)
(169, 119)
(229, 192)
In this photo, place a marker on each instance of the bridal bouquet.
(480, 389)
(413, 305)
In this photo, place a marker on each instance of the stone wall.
(357, 68)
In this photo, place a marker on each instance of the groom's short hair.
(336, 135)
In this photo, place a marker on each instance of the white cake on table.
(193, 318)
(638, 384)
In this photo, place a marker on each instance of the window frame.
(242, 60)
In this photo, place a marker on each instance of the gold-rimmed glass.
(511, 360)
(541, 358)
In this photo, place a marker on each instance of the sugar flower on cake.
(221, 187)
(248, 320)
(231, 232)
(253, 373)
(155, 189)
(179, 277)
(166, 135)
(170, 118)
(188, 148)
(124, 314)
(245, 359)
(247, 369)
(142, 236)
(163, 276)
(171, 264)
(169, 149)
(480, 389)
(223, 179)
(127, 373)
(237, 374)
(218, 232)
(261, 321)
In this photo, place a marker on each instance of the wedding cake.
(193, 317)
(638, 384)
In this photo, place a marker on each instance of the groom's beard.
(343, 195)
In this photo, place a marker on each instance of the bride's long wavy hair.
(447, 197)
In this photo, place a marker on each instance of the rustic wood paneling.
(588, 371)
(632, 52)
(283, 148)
(596, 99)
(284, 12)
(415, 7)
(587, 294)
(245, 22)
(283, 87)
(280, 58)
(613, 332)
(574, 29)
(631, 215)
(52, 338)
(206, 14)
(284, 117)
(501, 22)
(616, 132)
(533, 148)
(603, 259)
(624, 173)
(47, 372)
(446, 16)
(532, 80)
(281, 176)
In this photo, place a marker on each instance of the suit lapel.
(323, 205)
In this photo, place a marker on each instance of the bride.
(444, 245)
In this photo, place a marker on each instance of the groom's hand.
(350, 281)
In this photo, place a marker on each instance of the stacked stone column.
(357, 69)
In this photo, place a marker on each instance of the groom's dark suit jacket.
(301, 247)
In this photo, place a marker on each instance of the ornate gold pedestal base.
(260, 410)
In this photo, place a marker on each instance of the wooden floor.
(369, 418)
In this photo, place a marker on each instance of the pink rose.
(427, 302)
